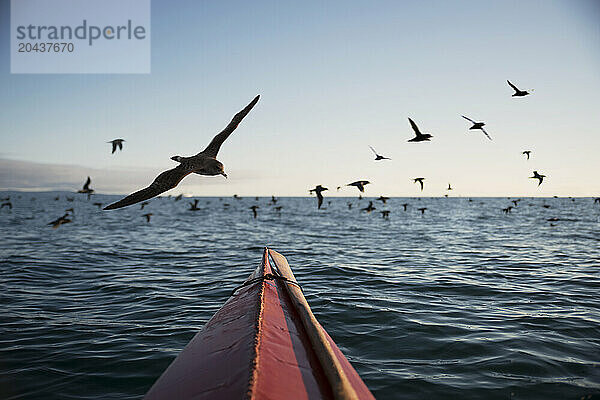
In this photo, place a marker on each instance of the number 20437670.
(46, 47)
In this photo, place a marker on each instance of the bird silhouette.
(477, 125)
(99, 205)
(518, 92)
(419, 137)
(405, 205)
(194, 205)
(385, 214)
(254, 208)
(148, 215)
(60, 221)
(143, 204)
(116, 143)
(527, 153)
(537, 176)
(86, 188)
(422, 210)
(360, 185)
(203, 163)
(6, 204)
(383, 199)
(179, 196)
(378, 156)
(449, 187)
(507, 210)
(420, 180)
(369, 208)
(318, 190)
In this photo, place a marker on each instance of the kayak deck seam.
(257, 337)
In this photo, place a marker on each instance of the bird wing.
(415, 127)
(86, 185)
(421, 182)
(120, 145)
(512, 86)
(468, 119)
(320, 199)
(486, 134)
(373, 150)
(163, 182)
(213, 147)
(114, 147)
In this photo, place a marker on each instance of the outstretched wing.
(320, 200)
(86, 185)
(468, 119)
(415, 127)
(120, 143)
(163, 182)
(373, 150)
(486, 134)
(512, 86)
(213, 147)
(114, 147)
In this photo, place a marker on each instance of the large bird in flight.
(419, 137)
(477, 125)
(318, 190)
(378, 156)
(203, 163)
(518, 92)
(116, 143)
(538, 176)
(360, 185)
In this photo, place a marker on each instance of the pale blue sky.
(334, 77)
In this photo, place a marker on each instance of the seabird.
(538, 177)
(254, 208)
(147, 216)
(518, 92)
(477, 125)
(194, 205)
(420, 180)
(6, 204)
(527, 152)
(360, 185)
(404, 206)
(385, 213)
(507, 209)
(116, 143)
(369, 208)
(86, 188)
(419, 137)
(318, 190)
(516, 202)
(235, 196)
(422, 210)
(278, 208)
(273, 199)
(99, 205)
(383, 199)
(349, 206)
(378, 156)
(449, 187)
(60, 221)
(597, 200)
(144, 204)
(179, 196)
(203, 163)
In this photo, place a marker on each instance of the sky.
(334, 77)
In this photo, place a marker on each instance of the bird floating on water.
(116, 143)
(203, 163)
(477, 125)
(527, 153)
(378, 156)
(318, 190)
(419, 137)
(518, 92)
(537, 176)
(360, 185)
(420, 180)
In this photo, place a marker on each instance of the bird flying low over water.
(148, 215)
(527, 153)
(360, 185)
(6, 204)
(86, 188)
(537, 176)
(385, 214)
(518, 92)
(404, 206)
(318, 190)
(194, 205)
(369, 208)
(422, 210)
(116, 143)
(477, 125)
(419, 137)
(383, 199)
(254, 208)
(378, 156)
(420, 180)
(203, 163)
(60, 221)
(449, 187)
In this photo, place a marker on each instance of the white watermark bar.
(80, 36)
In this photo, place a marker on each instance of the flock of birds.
(206, 163)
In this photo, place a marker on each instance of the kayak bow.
(264, 343)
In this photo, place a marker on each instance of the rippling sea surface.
(461, 302)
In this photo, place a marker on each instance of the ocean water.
(462, 302)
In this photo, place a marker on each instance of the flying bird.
(179, 196)
(147, 217)
(449, 187)
(537, 176)
(318, 190)
(383, 199)
(194, 205)
(378, 156)
(420, 180)
(518, 92)
(86, 188)
(60, 221)
(385, 214)
(203, 163)
(144, 204)
(369, 208)
(99, 205)
(507, 210)
(6, 204)
(419, 137)
(422, 210)
(254, 208)
(527, 153)
(404, 206)
(116, 143)
(477, 125)
(360, 185)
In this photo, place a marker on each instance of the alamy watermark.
(80, 36)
